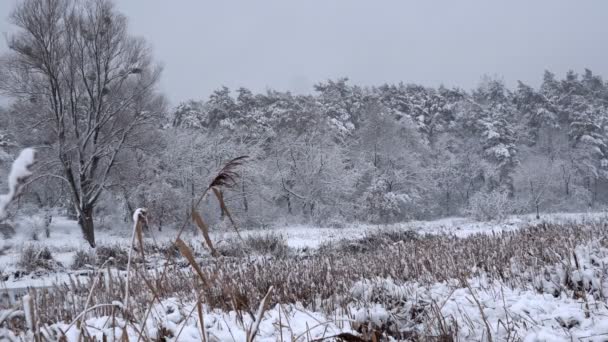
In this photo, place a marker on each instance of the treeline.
(378, 154)
(398, 152)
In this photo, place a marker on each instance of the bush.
(82, 259)
(265, 244)
(35, 258)
(274, 244)
(369, 243)
(117, 256)
(495, 205)
(381, 205)
(231, 248)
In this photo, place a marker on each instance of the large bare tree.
(93, 84)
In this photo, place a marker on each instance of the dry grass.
(264, 244)
(322, 280)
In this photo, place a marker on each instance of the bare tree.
(538, 182)
(93, 84)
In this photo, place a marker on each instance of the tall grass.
(323, 281)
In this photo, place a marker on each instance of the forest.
(345, 153)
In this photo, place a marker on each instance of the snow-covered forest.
(345, 153)
(351, 213)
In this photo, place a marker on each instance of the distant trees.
(405, 151)
(86, 95)
(88, 84)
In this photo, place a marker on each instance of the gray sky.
(290, 45)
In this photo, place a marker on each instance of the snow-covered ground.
(482, 307)
(511, 315)
(520, 315)
(66, 237)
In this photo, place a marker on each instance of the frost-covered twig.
(20, 171)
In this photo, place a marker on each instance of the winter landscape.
(138, 209)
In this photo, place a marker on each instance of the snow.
(66, 238)
(288, 321)
(524, 313)
(20, 170)
(139, 213)
(532, 313)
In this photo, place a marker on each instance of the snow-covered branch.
(20, 172)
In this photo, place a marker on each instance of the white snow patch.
(20, 170)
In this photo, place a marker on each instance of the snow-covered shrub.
(369, 243)
(495, 205)
(230, 248)
(263, 244)
(82, 259)
(35, 258)
(381, 204)
(114, 255)
(273, 244)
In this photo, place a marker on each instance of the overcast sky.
(290, 45)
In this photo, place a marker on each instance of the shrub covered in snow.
(495, 205)
(34, 258)
(115, 255)
(82, 259)
(262, 244)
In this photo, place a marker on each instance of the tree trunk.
(376, 155)
(222, 212)
(130, 209)
(566, 179)
(447, 203)
(245, 204)
(160, 218)
(595, 191)
(86, 224)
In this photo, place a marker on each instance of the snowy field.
(557, 299)
(66, 237)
